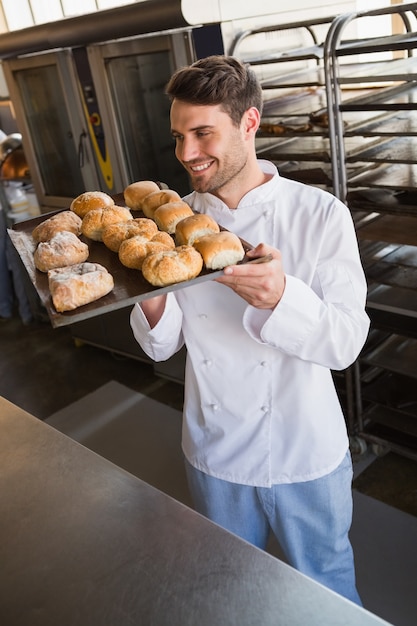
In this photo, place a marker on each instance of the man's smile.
(201, 167)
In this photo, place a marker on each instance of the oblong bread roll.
(78, 284)
(61, 250)
(172, 266)
(168, 215)
(90, 200)
(194, 227)
(136, 192)
(220, 250)
(65, 220)
(156, 199)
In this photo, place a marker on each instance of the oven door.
(130, 78)
(45, 93)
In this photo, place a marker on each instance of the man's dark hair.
(219, 80)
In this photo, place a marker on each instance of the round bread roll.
(165, 238)
(168, 215)
(194, 227)
(96, 220)
(172, 266)
(136, 192)
(114, 234)
(90, 200)
(133, 251)
(62, 250)
(220, 250)
(156, 199)
(66, 220)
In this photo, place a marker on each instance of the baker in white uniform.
(264, 436)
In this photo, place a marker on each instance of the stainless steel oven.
(97, 117)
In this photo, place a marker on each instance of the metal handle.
(81, 149)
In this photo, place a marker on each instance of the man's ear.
(250, 121)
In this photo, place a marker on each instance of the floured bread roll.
(194, 227)
(63, 249)
(96, 220)
(114, 234)
(79, 284)
(168, 215)
(136, 192)
(220, 250)
(164, 238)
(66, 220)
(156, 199)
(172, 266)
(133, 251)
(90, 200)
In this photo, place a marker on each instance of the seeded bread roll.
(156, 199)
(220, 250)
(90, 200)
(79, 284)
(168, 215)
(194, 227)
(136, 192)
(114, 234)
(96, 220)
(172, 266)
(62, 250)
(66, 220)
(134, 251)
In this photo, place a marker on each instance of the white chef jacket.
(260, 403)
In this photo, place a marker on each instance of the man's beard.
(220, 179)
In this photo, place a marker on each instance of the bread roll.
(114, 234)
(96, 220)
(194, 227)
(63, 249)
(172, 266)
(134, 251)
(90, 200)
(136, 192)
(163, 237)
(220, 250)
(168, 215)
(79, 284)
(65, 220)
(156, 199)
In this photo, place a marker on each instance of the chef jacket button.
(207, 362)
(264, 409)
(203, 316)
(215, 407)
(264, 363)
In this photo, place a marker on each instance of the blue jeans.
(311, 520)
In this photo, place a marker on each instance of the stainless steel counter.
(85, 543)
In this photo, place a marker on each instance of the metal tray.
(129, 284)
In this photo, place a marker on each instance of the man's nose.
(187, 150)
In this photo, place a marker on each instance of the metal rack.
(377, 181)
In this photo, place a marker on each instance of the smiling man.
(264, 436)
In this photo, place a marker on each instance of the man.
(264, 436)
